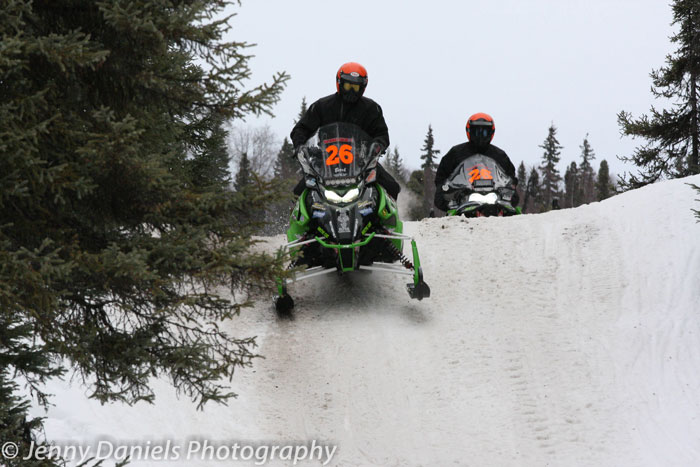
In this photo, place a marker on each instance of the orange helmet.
(351, 81)
(480, 129)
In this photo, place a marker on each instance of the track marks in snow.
(564, 339)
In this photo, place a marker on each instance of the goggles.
(481, 132)
(348, 86)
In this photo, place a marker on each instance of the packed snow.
(570, 338)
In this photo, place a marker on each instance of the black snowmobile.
(479, 187)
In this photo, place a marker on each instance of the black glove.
(315, 151)
(376, 148)
(308, 152)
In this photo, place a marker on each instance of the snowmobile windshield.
(479, 173)
(343, 154)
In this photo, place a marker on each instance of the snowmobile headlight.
(491, 198)
(350, 196)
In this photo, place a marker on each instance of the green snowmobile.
(343, 221)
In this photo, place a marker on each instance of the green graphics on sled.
(479, 187)
(343, 221)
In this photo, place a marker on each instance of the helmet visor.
(481, 133)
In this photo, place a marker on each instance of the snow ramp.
(570, 338)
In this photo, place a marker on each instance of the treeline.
(543, 188)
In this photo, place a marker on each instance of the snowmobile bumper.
(471, 209)
(418, 289)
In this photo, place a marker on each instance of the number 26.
(336, 157)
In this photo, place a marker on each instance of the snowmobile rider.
(347, 105)
(480, 131)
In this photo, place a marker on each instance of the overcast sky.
(527, 63)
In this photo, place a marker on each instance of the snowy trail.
(570, 338)
(494, 364)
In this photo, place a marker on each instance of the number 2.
(333, 158)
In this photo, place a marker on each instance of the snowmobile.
(479, 187)
(342, 221)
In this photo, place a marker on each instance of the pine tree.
(244, 176)
(429, 167)
(572, 186)
(117, 230)
(287, 174)
(550, 172)
(246, 184)
(532, 201)
(34, 367)
(603, 187)
(211, 168)
(586, 173)
(673, 136)
(302, 110)
(286, 166)
(393, 163)
(429, 154)
(416, 185)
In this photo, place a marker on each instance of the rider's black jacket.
(459, 153)
(364, 113)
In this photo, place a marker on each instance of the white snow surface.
(570, 338)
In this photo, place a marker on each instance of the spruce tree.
(302, 110)
(244, 176)
(210, 169)
(586, 173)
(429, 154)
(532, 201)
(248, 184)
(550, 172)
(522, 174)
(429, 167)
(393, 163)
(416, 185)
(286, 175)
(116, 227)
(673, 135)
(603, 186)
(572, 186)
(18, 358)
(286, 166)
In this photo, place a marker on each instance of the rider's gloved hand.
(314, 151)
(376, 148)
(303, 150)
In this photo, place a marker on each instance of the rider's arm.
(377, 128)
(444, 170)
(507, 164)
(306, 126)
